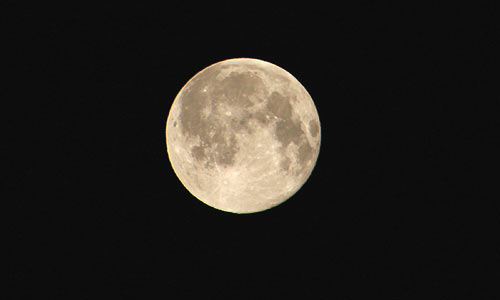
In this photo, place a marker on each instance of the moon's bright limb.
(243, 135)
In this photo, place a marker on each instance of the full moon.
(243, 135)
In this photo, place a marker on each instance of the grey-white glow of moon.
(243, 135)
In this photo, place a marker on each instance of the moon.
(243, 135)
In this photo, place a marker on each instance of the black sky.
(395, 208)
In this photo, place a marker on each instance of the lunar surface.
(243, 135)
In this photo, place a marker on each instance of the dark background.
(395, 208)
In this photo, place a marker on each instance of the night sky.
(396, 207)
